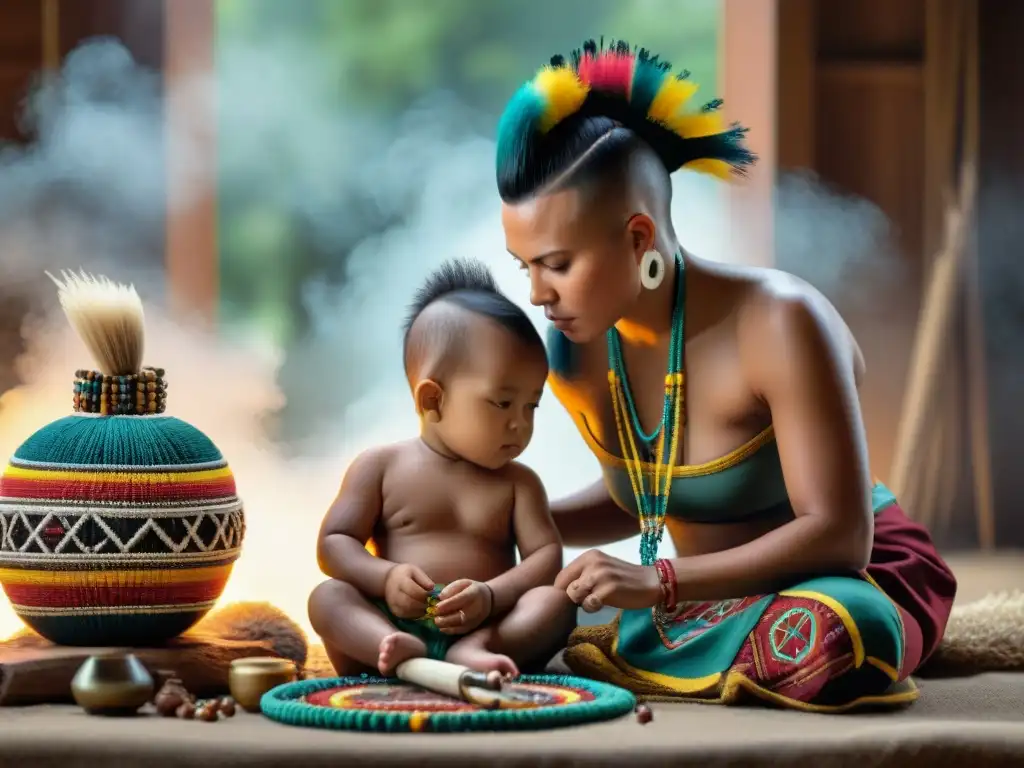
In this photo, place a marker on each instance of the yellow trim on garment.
(678, 684)
(899, 618)
(731, 459)
(735, 683)
(893, 674)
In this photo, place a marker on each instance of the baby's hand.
(464, 605)
(406, 589)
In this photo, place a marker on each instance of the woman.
(721, 402)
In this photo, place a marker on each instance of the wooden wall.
(21, 56)
(850, 96)
(38, 33)
(870, 106)
(139, 24)
(1001, 252)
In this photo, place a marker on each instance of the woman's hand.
(594, 580)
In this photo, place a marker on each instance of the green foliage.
(684, 32)
(380, 56)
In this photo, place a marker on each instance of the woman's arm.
(590, 518)
(805, 374)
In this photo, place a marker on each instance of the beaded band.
(140, 393)
(490, 607)
(308, 703)
(651, 489)
(667, 579)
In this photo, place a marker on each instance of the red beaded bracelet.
(667, 579)
(666, 596)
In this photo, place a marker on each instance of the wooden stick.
(977, 401)
(438, 676)
(932, 456)
(50, 10)
(977, 385)
(949, 479)
(485, 690)
(933, 329)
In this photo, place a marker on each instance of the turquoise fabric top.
(743, 485)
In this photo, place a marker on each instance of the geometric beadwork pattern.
(32, 534)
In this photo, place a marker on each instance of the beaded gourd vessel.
(119, 525)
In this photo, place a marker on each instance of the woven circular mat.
(378, 704)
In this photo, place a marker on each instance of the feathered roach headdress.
(634, 89)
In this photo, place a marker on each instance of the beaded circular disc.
(379, 704)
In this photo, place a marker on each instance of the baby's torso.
(450, 518)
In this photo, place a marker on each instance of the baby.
(448, 509)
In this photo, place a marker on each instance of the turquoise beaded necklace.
(651, 492)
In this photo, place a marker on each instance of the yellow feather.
(563, 94)
(670, 99)
(694, 126)
(718, 168)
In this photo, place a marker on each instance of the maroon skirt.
(907, 567)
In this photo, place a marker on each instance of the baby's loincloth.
(424, 627)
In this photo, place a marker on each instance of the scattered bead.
(167, 705)
(643, 714)
(174, 700)
(171, 696)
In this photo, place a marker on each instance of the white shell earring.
(652, 270)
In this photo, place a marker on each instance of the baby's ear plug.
(433, 417)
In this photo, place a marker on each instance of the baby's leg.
(528, 635)
(355, 632)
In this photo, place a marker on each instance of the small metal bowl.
(251, 677)
(112, 684)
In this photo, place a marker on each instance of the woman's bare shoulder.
(772, 300)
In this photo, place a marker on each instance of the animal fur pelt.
(244, 622)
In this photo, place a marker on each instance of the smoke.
(89, 193)
(843, 245)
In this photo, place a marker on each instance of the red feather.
(608, 71)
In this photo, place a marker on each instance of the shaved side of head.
(440, 321)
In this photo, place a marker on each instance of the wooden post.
(796, 84)
(193, 269)
(50, 10)
(749, 75)
(934, 326)
(977, 364)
